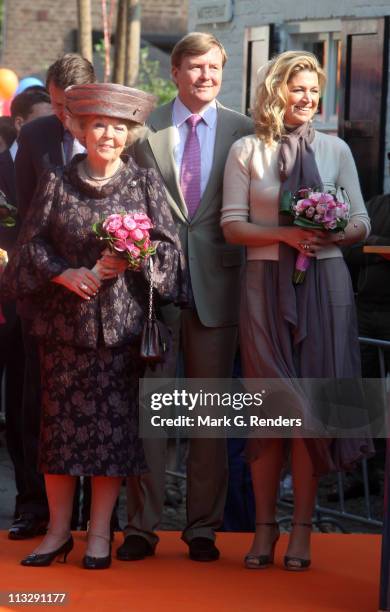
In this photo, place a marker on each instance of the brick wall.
(36, 33)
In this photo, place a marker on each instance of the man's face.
(41, 109)
(198, 78)
(57, 97)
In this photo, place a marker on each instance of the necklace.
(99, 179)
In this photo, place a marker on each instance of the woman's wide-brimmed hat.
(110, 100)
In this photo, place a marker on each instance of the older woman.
(288, 331)
(88, 322)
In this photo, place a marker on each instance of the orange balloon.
(8, 83)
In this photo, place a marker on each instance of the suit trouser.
(34, 500)
(208, 353)
(12, 363)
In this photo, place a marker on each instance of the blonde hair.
(271, 93)
(195, 43)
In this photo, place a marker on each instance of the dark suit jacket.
(8, 235)
(40, 148)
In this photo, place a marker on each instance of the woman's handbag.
(156, 336)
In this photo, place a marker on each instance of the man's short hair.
(70, 69)
(196, 43)
(22, 104)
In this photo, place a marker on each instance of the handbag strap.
(150, 266)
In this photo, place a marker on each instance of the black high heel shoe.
(44, 559)
(297, 564)
(98, 562)
(252, 561)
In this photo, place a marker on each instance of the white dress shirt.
(13, 149)
(206, 131)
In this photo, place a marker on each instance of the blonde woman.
(289, 331)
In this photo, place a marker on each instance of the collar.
(180, 113)
(13, 150)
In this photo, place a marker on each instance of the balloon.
(27, 82)
(8, 83)
(7, 108)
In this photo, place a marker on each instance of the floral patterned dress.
(90, 366)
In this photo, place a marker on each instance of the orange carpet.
(344, 578)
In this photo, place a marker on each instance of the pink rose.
(133, 250)
(129, 222)
(137, 234)
(112, 223)
(121, 234)
(310, 211)
(142, 221)
(120, 245)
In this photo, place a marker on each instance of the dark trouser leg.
(208, 353)
(34, 501)
(13, 360)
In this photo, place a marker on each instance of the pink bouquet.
(128, 235)
(311, 209)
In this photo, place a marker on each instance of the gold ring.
(83, 287)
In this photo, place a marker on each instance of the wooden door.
(362, 112)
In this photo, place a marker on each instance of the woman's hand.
(110, 265)
(306, 241)
(79, 280)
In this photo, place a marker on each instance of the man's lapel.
(161, 141)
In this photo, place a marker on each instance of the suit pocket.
(230, 259)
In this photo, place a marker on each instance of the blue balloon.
(27, 82)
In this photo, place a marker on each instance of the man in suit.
(207, 331)
(25, 107)
(43, 143)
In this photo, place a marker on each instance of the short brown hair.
(196, 43)
(70, 69)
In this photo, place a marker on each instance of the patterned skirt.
(89, 423)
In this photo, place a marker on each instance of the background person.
(286, 330)
(42, 144)
(88, 328)
(25, 107)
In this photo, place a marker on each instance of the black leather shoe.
(27, 526)
(203, 549)
(45, 559)
(97, 562)
(94, 563)
(135, 548)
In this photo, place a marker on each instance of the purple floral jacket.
(57, 234)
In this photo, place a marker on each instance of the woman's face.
(303, 94)
(105, 138)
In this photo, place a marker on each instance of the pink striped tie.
(190, 167)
